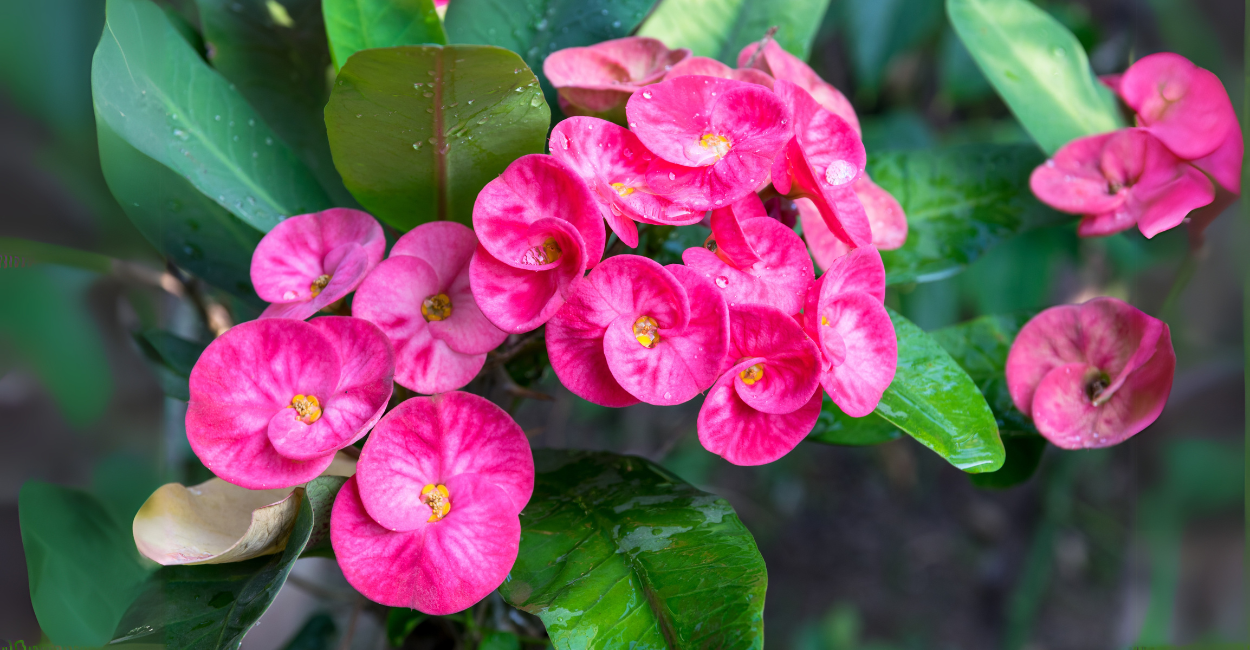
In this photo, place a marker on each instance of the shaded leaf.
(721, 28)
(1024, 454)
(496, 640)
(354, 25)
(317, 634)
(20, 253)
(1038, 67)
(617, 551)
(400, 622)
(837, 428)
(153, 90)
(959, 203)
(980, 347)
(877, 31)
(417, 131)
(173, 357)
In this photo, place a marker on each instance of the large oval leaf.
(618, 552)
(417, 131)
(934, 401)
(355, 25)
(721, 28)
(837, 428)
(1038, 67)
(980, 347)
(155, 92)
(959, 202)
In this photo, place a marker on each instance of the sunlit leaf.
(980, 347)
(721, 28)
(354, 25)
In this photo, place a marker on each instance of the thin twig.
(1184, 274)
(524, 344)
(768, 36)
(346, 643)
(514, 389)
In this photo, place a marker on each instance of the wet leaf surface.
(721, 28)
(980, 346)
(354, 25)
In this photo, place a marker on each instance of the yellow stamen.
(752, 374)
(546, 253)
(719, 144)
(438, 499)
(436, 307)
(319, 284)
(308, 408)
(621, 190)
(646, 330)
(824, 320)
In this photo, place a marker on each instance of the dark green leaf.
(876, 31)
(83, 566)
(958, 75)
(355, 25)
(980, 347)
(276, 54)
(417, 131)
(934, 401)
(959, 202)
(617, 551)
(837, 428)
(173, 358)
(1024, 454)
(211, 606)
(496, 640)
(153, 90)
(721, 28)
(18, 253)
(1038, 67)
(317, 634)
(190, 229)
(400, 622)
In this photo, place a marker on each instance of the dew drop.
(722, 281)
(269, 141)
(672, 176)
(470, 102)
(251, 122)
(840, 172)
(416, 146)
(646, 94)
(217, 117)
(290, 295)
(255, 154)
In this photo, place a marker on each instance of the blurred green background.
(879, 547)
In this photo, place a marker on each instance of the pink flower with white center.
(769, 399)
(637, 331)
(779, 278)
(845, 314)
(1091, 375)
(714, 139)
(702, 65)
(613, 162)
(597, 80)
(431, 519)
(539, 229)
(420, 297)
(1115, 180)
(309, 261)
(822, 163)
(273, 399)
(888, 226)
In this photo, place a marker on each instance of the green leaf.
(876, 31)
(173, 357)
(616, 550)
(211, 606)
(1038, 67)
(400, 622)
(837, 428)
(721, 28)
(980, 347)
(934, 401)
(355, 25)
(1024, 454)
(18, 253)
(496, 640)
(83, 566)
(959, 202)
(317, 634)
(190, 229)
(158, 95)
(417, 131)
(276, 54)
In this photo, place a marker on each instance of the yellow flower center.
(646, 330)
(621, 190)
(319, 284)
(436, 307)
(752, 374)
(718, 144)
(438, 499)
(545, 253)
(308, 408)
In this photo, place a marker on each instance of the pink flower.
(1091, 375)
(779, 279)
(769, 400)
(273, 399)
(714, 138)
(430, 520)
(822, 163)
(780, 64)
(1183, 105)
(728, 240)
(420, 298)
(599, 79)
(637, 331)
(1119, 179)
(845, 314)
(311, 260)
(702, 65)
(539, 229)
(885, 219)
(614, 165)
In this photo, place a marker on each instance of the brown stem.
(768, 36)
(499, 357)
(514, 389)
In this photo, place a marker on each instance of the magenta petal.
(575, 347)
(346, 265)
(859, 270)
(671, 118)
(657, 375)
(789, 359)
(731, 429)
(885, 216)
(858, 339)
(1073, 180)
(1181, 104)
(519, 300)
(599, 79)
(839, 206)
(1224, 164)
(779, 279)
(446, 246)
(702, 65)
(233, 444)
(782, 65)
(467, 330)
(1165, 206)
(727, 229)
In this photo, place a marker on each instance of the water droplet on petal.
(840, 172)
(722, 281)
(646, 94)
(290, 295)
(672, 176)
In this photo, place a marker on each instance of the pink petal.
(858, 340)
(518, 300)
(859, 270)
(1107, 223)
(346, 265)
(575, 347)
(446, 566)
(1181, 104)
(446, 246)
(731, 242)
(1165, 206)
(783, 65)
(702, 65)
(597, 80)
(790, 359)
(467, 330)
(1224, 164)
(885, 216)
(731, 429)
(779, 279)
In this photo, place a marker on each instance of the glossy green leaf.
(173, 357)
(153, 90)
(980, 347)
(616, 551)
(934, 401)
(721, 28)
(354, 25)
(83, 566)
(417, 131)
(275, 53)
(190, 229)
(1024, 454)
(1038, 67)
(211, 606)
(837, 428)
(959, 203)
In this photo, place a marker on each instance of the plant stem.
(1183, 275)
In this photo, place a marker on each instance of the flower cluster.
(1184, 153)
